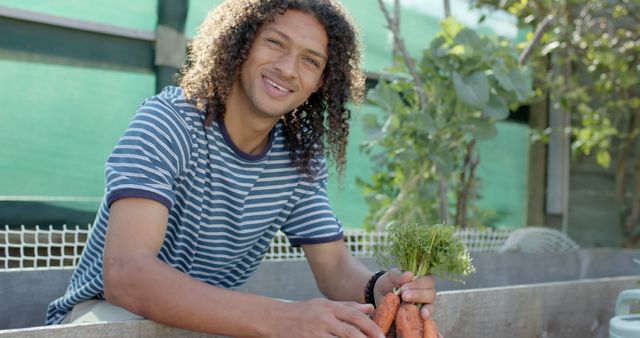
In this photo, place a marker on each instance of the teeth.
(273, 84)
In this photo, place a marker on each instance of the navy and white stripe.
(225, 206)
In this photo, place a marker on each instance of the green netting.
(138, 14)
(59, 123)
(60, 120)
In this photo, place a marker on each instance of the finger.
(427, 311)
(405, 277)
(421, 296)
(423, 282)
(364, 308)
(398, 278)
(359, 320)
(342, 329)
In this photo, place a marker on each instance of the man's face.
(284, 66)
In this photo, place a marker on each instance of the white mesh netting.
(38, 247)
(50, 247)
(538, 239)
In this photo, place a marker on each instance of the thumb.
(405, 278)
(364, 308)
(396, 278)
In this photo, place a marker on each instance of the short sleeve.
(311, 220)
(150, 155)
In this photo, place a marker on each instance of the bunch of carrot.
(423, 250)
(406, 318)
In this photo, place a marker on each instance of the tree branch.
(422, 103)
(542, 27)
(405, 55)
(444, 200)
(395, 205)
(632, 218)
(466, 182)
(623, 157)
(396, 27)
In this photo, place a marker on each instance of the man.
(207, 173)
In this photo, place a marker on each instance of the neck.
(248, 129)
(249, 134)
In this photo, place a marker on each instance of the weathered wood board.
(546, 310)
(560, 309)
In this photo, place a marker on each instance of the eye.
(276, 42)
(312, 61)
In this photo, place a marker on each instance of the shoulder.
(166, 123)
(171, 104)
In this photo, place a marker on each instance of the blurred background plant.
(588, 64)
(433, 115)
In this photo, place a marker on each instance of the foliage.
(594, 48)
(425, 157)
(425, 250)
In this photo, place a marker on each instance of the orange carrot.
(430, 329)
(386, 312)
(392, 331)
(408, 322)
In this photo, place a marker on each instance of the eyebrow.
(288, 38)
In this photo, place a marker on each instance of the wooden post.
(171, 41)
(396, 28)
(538, 120)
(447, 8)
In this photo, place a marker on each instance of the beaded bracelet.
(368, 295)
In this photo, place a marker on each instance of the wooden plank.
(136, 328)
(562, 309)
(24, 295)
(76, 24)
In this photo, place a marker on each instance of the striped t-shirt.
(225, 206)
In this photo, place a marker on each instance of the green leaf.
(503, 80)
(451, 27)
(481, 129)
(550, 47)
(461, 51)
(603, 158)
(472, 90)
(408, 155)
(386, 98)
(437, 47)
(372, 127)
(497, 108)
(470, 38)
(395, 121)
(467, 45)
(444, 162)
(422, 121)
(520, 83)
(392, 123)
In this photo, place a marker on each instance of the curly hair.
(222, 44)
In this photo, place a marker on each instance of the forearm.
(154, 290)
(347, 280)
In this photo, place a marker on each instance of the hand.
(325, 318)
(421, 290)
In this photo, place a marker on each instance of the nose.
(287, 65)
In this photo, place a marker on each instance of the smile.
(275, 88)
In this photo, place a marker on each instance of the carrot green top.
(425, 250)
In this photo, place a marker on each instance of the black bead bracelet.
(368, 295)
